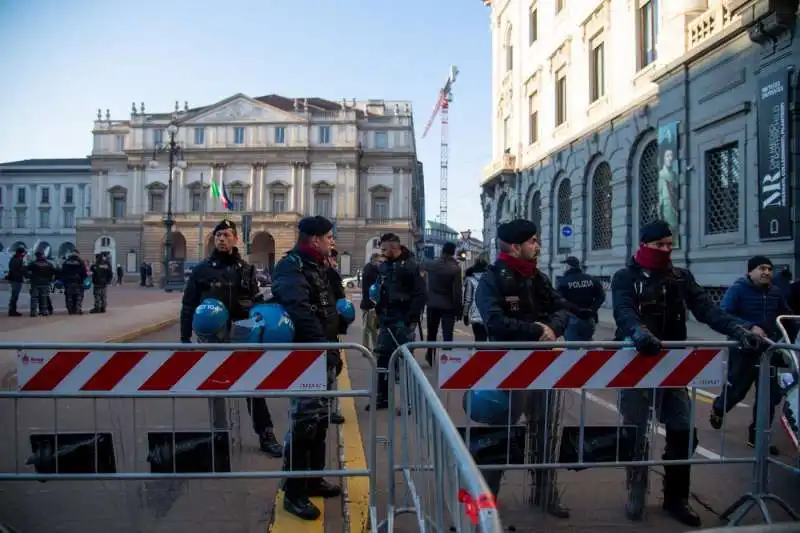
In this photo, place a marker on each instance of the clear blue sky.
(61, 60)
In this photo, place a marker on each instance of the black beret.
(225, 224)
(517, 231)
(316, 226)
(654, 231)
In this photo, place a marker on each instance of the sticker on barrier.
(546, 369)
(180, 371)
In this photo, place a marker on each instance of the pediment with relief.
(242, 109)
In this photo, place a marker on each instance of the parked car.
(350, 282)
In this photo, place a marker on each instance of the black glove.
(585, 314)
(646, 343)
(747, 339)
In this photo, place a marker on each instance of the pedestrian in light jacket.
(472, 317)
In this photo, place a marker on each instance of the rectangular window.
(21, 195)
(238, 200)
(509, 57)
(533, 120)
(238, 135)
(44, 195)
(723, 175)
(560, 5)
(44, 218)
(69, 218)
(278, 202)
(158, 137)
(380, 208)
(21, 219)
(199, 202)
(199, 136)
(120, 143)
(506, 136)
(156, 202)
(117, 207)
(381, 139)
(561, 97)
(280, 135)
(648, 32)
(597, 68)
(324, 135)
(69, 195)
(323, 205)
(533, 26)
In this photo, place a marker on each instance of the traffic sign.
(566, 230)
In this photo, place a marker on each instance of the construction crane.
(441, 109)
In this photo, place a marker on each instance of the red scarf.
(653, 258)
(522, 267)
(312, 252)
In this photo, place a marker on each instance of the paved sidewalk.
(119, 324)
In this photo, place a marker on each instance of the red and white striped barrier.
(76, 371)
(579, 369)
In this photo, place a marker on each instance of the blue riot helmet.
(492, 407)
(210, 319)
(275, 321)
(346, 310)
(374, 292)
(87, 283)
(249, 331)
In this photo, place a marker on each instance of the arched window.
(601, 207)
(564, 213)
(535, 211)
(648, 184)
(508, 47)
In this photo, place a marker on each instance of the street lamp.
(175, 157)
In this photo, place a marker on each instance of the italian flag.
(221, 194)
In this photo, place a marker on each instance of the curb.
(152, 328)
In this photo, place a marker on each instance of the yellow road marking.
(354, 456)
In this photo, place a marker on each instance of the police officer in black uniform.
(228, 278)
(585, 291)
(401, 300)
(73, 273)
(518, 303)
(301, 284)
(41, 273)
(650, 298)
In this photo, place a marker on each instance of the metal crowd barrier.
(445, 490)
(768, 372)
(538, 434)
(144, 423)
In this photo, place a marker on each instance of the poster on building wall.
(668, 201)
(774, 210)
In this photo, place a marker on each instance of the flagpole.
(200, 239)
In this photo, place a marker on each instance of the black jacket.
(226, 277)
(581, 289)
(16, 269)
(303, 287)
(102, 274)
(444, 284)
(510, 304)
(659, 302)
(369, 275)
(402, 290)
(41, 272)
(72, 270)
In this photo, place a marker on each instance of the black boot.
(546, 494)
(316, 460)
(300, 506)
(269, 444)
(677, 480)
(336, 418)
(382, 401)
(14, 312)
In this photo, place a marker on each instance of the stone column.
(33, 211)
(55, 217)
(251, 193)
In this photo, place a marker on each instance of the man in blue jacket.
(756, 300)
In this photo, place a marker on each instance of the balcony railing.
(709, 24)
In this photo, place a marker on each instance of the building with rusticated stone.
(611, 113)
(277, 158)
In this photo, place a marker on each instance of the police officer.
(401, 300)
(102, 276)
(228, 278)
(73, 273)
(650, 298)
(41, 273)
(518, 303)
(301, 284)
(585, 291)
